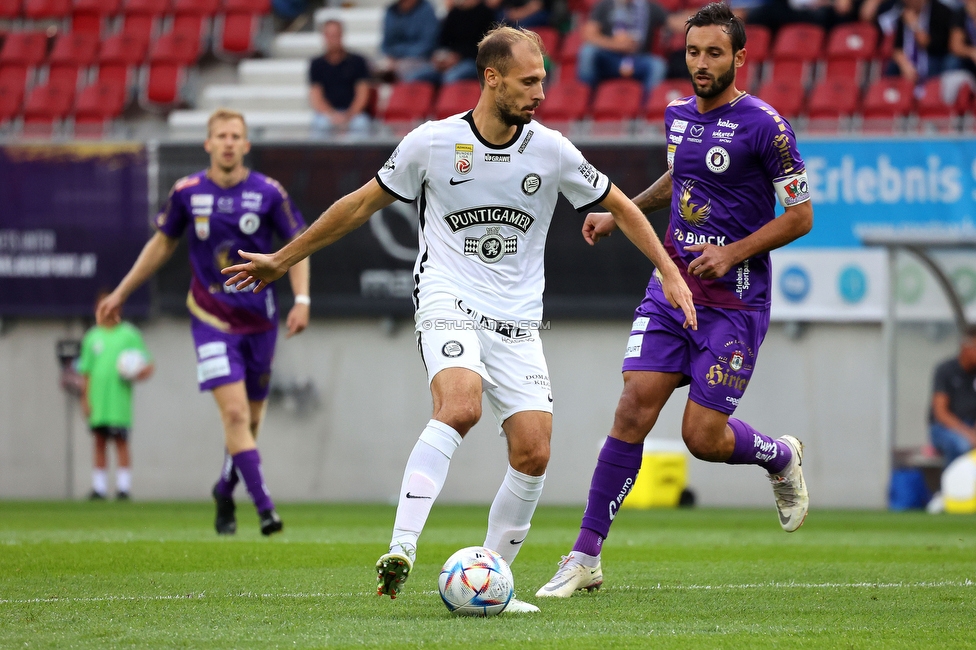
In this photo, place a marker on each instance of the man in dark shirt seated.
(463, 28)
(339, 92)
(952, 419)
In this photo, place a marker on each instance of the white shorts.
(509, 358)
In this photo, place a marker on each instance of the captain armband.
(792, 190)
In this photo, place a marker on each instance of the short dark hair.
(719, 13)
(495, 49)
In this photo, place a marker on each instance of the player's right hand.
(108, 312)
(598, 225)
(679, 295)
(259, 268)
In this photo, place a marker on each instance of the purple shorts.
(225, 358)
(717, 360)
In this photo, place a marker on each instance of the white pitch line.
(658, 587)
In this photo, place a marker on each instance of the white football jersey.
(485, 209)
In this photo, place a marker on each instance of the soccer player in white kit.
(487, 182)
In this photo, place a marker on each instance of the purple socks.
(248, 464)
(614, 476)
(754, 448)
(228, 477)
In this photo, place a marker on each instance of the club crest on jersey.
(736, 361)
(452, 349)
(201, 225)
(249, 223)
(531, 184)
(492, 247)
(463, 158)
(717, 160)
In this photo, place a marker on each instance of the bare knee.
(531, 460)
(460, 415)
(235, 417)
(704, 443)
(633, 419)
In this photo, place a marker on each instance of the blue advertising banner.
(905, 184)
(73, 218)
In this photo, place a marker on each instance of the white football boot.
(517, 606)
(790, 490)
(393, 569)
(572, 576)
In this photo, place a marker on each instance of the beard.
(722, 82)
(509, 114)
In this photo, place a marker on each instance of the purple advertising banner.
(73, 218)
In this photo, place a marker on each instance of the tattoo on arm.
(656, 197)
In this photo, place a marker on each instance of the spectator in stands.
(952, 418)
(410, 31)
(962, 36)
(922, 41)
(617, 41)
(339, 92)
(521, 13)
(774, 14)
(463, 28)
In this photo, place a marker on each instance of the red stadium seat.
(550, 40)
(90, 15)
(175, 47)
(758, 39)
(46, 9)
(78, 49)
(196, 7)
(10, 10)
(14, 75)
(786, 97)
(850, 69)
(97, 105)
(235, 35)
(123, 48)
(852, 41)
(798, 42)
(565, 102)
(934, 113)
(569, 49)
(259, 7)
(788, 70)
(64, 74)
(617, 100)
(409, 101)
(46, 105)
(887, 103)
(11, 98)
(163, 86)
(831, 105)
(24, 48)
(458, 97)
(151, 7)
(663, 94)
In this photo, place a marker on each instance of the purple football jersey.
(223, 221)
(724, 164)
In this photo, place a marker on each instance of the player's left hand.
(297, 320)
(714, 261)
(259, 268)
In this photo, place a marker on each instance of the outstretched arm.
(656, 197)
(298, 316)
(154, 254)
(634, 224)
(342, 217)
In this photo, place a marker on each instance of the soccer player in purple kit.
(729, 156)
(228, 207)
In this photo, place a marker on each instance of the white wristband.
(302, 299)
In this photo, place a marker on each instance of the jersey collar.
(469, 118)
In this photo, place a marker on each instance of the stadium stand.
(886, 105)
(831, 106)
(456, 98)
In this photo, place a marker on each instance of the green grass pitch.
(154, 575)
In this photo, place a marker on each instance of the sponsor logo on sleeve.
(452, 349)
(676, 139)
(590, 173)
(390, 163)
(679, 126)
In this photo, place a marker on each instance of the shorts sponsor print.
(717, 360)
(224, 358)
(509, 359)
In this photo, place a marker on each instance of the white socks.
(423, 479)
(511, 512)
(99, 481)
(123, 479)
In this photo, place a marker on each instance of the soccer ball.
(130, 363)
(476, 581)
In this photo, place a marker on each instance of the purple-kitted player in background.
(729, 156)
(227, 207)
